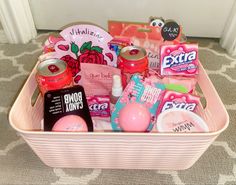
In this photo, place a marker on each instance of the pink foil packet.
(176, 100)
(179, 59)
(117, 43)
(99, 106)
(97, 79)
(49, 45)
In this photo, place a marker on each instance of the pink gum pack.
(99, 106)
(179, 59)
(176, 100)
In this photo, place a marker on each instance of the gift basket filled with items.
(133, 97)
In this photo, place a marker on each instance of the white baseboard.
(17, 21)
(3, 37)
(228, 38)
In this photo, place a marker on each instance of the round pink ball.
(70, 123)
(134, 117)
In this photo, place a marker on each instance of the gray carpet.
(19, 164)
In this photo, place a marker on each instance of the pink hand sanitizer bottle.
(116, 91)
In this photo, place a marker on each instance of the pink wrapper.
(175, 100)
(179, 59)
(99, 106)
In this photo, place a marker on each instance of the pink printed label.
(179, 59)
(84, 43)
(99, 106)
(175, 100)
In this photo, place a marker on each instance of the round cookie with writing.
(170, 31)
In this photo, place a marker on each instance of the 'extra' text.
(182, 58)
(98, 107)
(179, 105)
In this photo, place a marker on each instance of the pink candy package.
(176, 100)
(99, 106)
(179, 59)
(49, 45)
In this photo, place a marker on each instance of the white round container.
(179, 120)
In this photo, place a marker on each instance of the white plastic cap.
(117, 88)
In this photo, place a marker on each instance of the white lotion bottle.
(116, 91)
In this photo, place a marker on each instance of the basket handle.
(214, 111)
(28, 105)
(207, 88)
(35, 96)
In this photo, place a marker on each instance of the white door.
(199, 18)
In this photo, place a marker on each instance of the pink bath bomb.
(70, 123)
(134, 117)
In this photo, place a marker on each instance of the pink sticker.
(179, 59)
(175, 100)
(99, 106)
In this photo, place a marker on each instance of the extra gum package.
(99, 106)
(176, 100)
(179, 59)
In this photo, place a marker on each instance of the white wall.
(0, 26)
(3, 38)
(202, 18)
